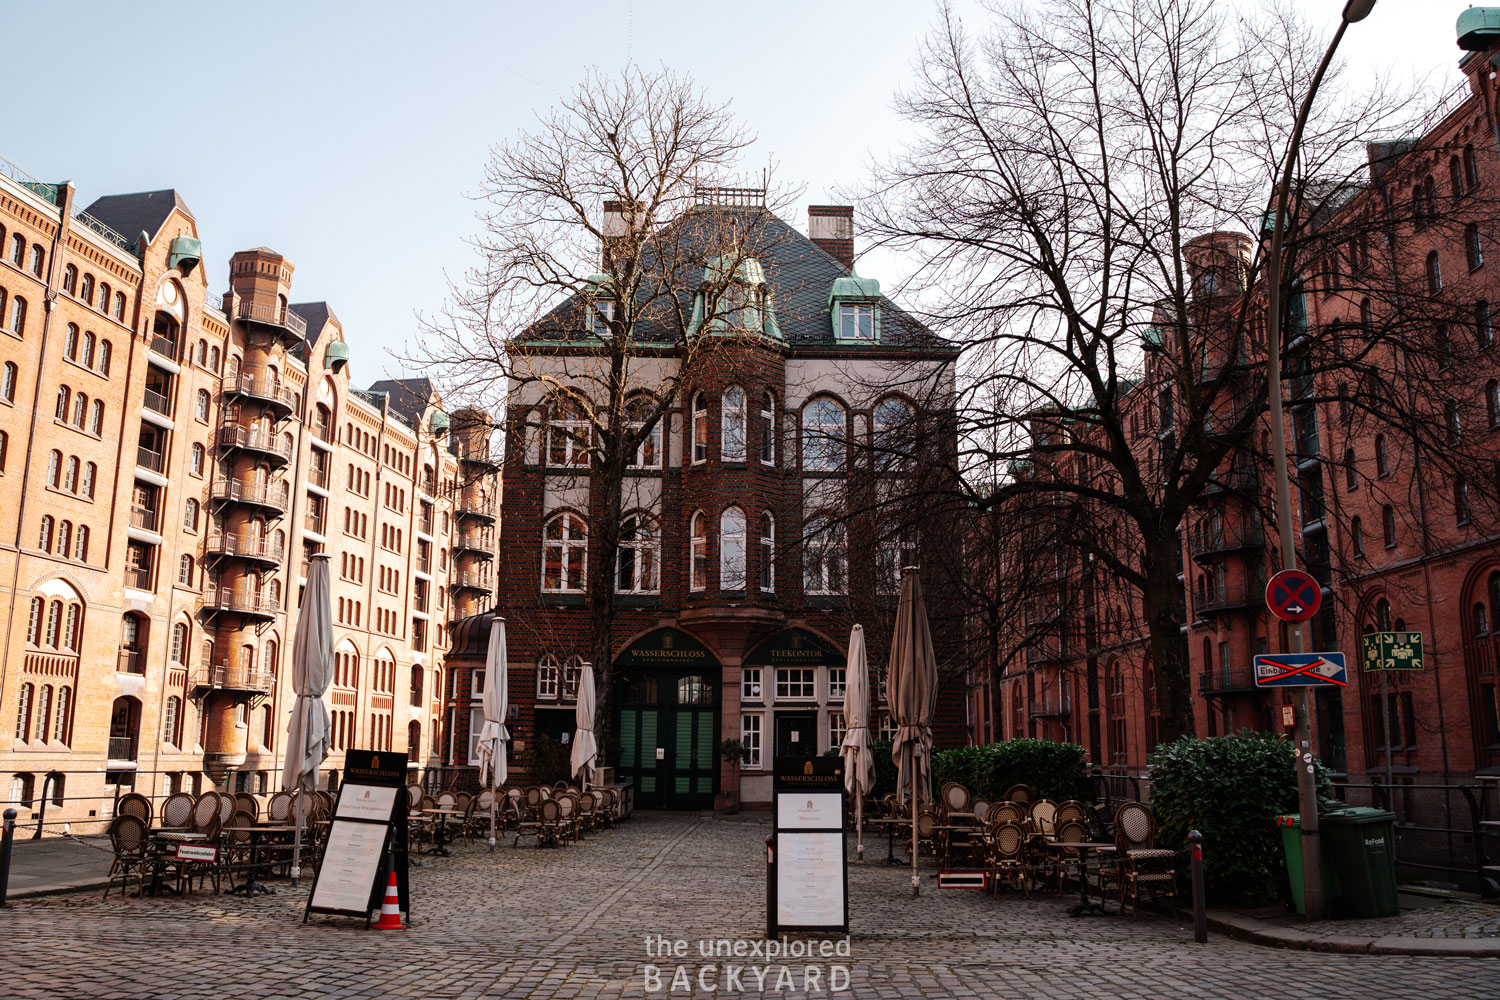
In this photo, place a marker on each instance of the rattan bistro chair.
(135, 804)
(1006, 860)
(1141, 866)
(1008, 812)
(1072, 831)
(128, 836)
(177, 811)
(205, 810)
(1044, 817)
(955, 797)
(1020, 793)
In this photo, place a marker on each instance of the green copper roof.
(747, 272)
(439, 422)
(1478, 28)
(184, 253)
(854, 287)
(336, 353)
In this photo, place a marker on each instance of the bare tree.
(613, 269)
(1085, 206)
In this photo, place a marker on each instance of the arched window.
(70, 342)
(201, 409)
(64, 538)
(700, 427)
(1357, 535)
(190, 515)
(86, 290)
(768, 428)
(568, 434)
(648, 452)
(105, 349)
(1455, 177)
(18, 316)
(88, 348)
(60, 721)
(894, 439)
(1382, 457)
(44, 538)
(54, 468)
(732, 549)
(1461, 511)
(170, 721)
(70, 477)
(202, 356)
(698, 552)
(823, 557)
(104, 297)
(34, 621)
(767, 552)
(96, 417)
(23, 717)
(1434, 273)
(1451, 423)
(732, 426)
(43, 712)
(547, 678)
(1388, 525)
(1492, 401)
(1484, 330)
(195, 459)
(1473, 250)
(179, 646)
(119, 305)
(637, 568)
(64, 398)
(8, 382)
(822, 436)
(70, 279)
(565, 548)
(185, 571)
(17, 249)
(55, 624)
(81, 541)
(38, 259)
(1351, 474)
(416, 685)
(4, 448)
(80, 409)
(1429, 191)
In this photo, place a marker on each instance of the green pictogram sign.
(1392, 650)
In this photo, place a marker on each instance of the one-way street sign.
(1300, 670)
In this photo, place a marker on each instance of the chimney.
(832, 228)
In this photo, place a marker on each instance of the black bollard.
(5, 843)
(1200, 906)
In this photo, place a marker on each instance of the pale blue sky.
(346, 135)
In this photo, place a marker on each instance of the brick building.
(1399, 541)
(739, 575)
(171, 455)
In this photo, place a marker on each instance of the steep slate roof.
(799, 274)
(317, 315)
(129, 214)
(408, 396)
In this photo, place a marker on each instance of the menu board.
(809, 811)
(366, 802)
(351, 860)
(810, 880)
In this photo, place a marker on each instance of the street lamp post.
(1307, 798)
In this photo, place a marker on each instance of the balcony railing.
(267, 442)
(317, 476)
(1051, 706)
(1236, 538)
(122, 748)
(476, 541)
(270, 314)
(157, 402)
(143, 518)
(424, 525)
(1047, 651)
(1236, 479)
(260, 387)
(323, 432)
(476, 507)
(148, 459)
(1234, 681)
(424, 564)
(131, 661)
(1230, 597)
(313, 522)
(265, 495)
(164, 346)
(474, 581)
(246, 602)
(138, 577)
(234, 678)
(267, 548)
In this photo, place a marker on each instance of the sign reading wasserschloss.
(666, 647)
(1392, 650)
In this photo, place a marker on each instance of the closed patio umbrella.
(585, 749)
(859, 765)
(312, 670)
(912, 684)
(493, 768)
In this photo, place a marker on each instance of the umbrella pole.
(297, 846)
(492, 813)
(859, 822)
(916, 881)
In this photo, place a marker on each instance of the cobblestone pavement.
(1422, 917)
(572, 923)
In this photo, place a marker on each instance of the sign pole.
(1385, 719)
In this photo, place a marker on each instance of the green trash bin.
(1361, 845)
(1291, 842)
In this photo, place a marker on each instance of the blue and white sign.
(1300, 670)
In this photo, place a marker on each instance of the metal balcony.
(1229, 598)
(242, 602)
(1217, 683)
(470, 581)
(1239, 538)
(1047, 651)
(263, 550)
(148, 459)
(262, 442)
(261, 389)
(475, 507)
(157, 402)
(145, 519)
(270, 496)
(122, 748)
(1240, 480)
(1050, 708)
(271, 314)
(131, 661)
(138, 577)
(480, 543)
(223, 677)
(164, 346)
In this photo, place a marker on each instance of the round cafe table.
(440, 827)
(1086, 907)
(250, 886)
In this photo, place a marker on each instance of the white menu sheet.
(810, 879)
(350, 863)
(809, 811)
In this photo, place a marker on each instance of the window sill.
(826, 600)
(83, 367)
(550, 600)
(638, 600)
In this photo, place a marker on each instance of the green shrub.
(885, 768)
(1053, 770)
(1231, 788)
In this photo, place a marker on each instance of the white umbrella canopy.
(312, 671)
(585, 749)
(493, 767)
(912, 685)
(859, 764)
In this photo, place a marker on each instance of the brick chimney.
(832, 228)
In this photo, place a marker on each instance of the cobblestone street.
(573, 923)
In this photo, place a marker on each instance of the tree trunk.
(605, 518)
(1168, 648)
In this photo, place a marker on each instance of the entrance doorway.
(668, 724)
(796, 734)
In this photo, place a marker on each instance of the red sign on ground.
(1293, 596)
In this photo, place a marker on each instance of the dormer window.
(857, 321)
(604, 314)
(854, 304)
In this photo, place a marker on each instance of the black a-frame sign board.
(365, 838)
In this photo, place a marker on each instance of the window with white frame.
(476, 723)
(836, 682)
(638, 563)
(648, 452)
(768, 428)
(750, 689)
(700, 428)
(732, 425)
(887, 731)
(767, 552)
(732, 549)
(567, 434)
(604, 314)
(572, 668)
(565, 547)
(823, 557)
(750, 739)
(893, 555)
(857, 321)
(822, 436)
(838, 727)
(698, 554)
(796, 683)
(546, 678)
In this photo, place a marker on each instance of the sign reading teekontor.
(1300, 670)
(1293, 596)
(794, 647)
(1392, 650)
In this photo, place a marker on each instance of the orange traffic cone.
(390, 910)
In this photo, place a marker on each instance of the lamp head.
(1357, 10)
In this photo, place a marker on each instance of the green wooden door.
(668, 721)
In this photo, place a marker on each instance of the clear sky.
(347, 136)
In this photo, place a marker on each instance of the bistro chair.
(247, 803)
(981, 810)
(1020, 793)
(534, 798)
(928, 833)
(1070, 810)
(237, 846)
(1044, 817)
(1008, 812)
(1072, 831)
(279, 809)
(135, 804)
(227, 807)
(413, 796)
(177, 811)
(586, 812)
(955, 797)
(568, 817)
(1141, 865)
(128, 837)
(205, 811)
(1006, 860)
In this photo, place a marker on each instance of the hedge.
(1231, 788)
(1053, 770)
(885, 768)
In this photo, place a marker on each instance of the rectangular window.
(476, 723)
(836, 677)
(750, 689)
(856, 321)
(750, 739)
(887, 730)
(837, 727)
(796, 683)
